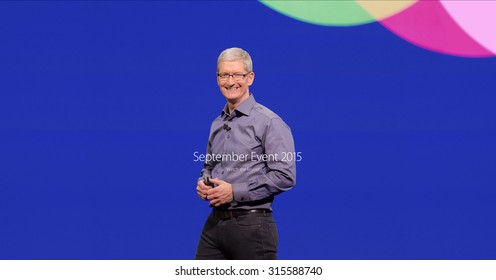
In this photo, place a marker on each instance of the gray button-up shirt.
(252, 149)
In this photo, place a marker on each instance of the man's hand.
(221, 194)
(202, 189)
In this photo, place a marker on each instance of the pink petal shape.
(477, 18)
(428, 25)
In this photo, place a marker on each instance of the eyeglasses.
(236, 77)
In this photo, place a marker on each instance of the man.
(247, 165)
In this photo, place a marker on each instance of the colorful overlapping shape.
(461, 28)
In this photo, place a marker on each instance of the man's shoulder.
(266, 117)
(217, 121)
(264, 112)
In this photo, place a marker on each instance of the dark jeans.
(247, 237)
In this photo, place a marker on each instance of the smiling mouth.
(232, 88)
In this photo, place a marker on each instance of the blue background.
(102, 106)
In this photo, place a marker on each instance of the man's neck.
(232, 106)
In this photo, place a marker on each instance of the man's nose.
(230, 79)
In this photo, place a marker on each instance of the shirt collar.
(243, 108)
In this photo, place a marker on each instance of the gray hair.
(233, 54)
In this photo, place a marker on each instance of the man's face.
(234, 90)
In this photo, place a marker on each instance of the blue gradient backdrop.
(102, 106)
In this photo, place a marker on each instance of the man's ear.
(251, 78)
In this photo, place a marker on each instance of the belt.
(229, 214)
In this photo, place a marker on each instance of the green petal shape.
(323, 12)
